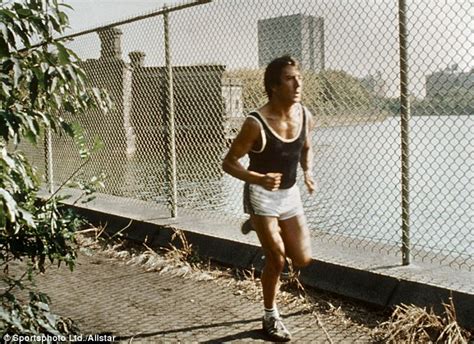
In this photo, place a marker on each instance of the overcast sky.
(91, 13)
(361, 36)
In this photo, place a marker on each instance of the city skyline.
(361, 38)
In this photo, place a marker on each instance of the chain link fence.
(183, 78)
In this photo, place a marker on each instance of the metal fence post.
(405, 139)
(171, 120)
(48, 135)
(48, 150)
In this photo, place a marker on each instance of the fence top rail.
(151, 14)
(155, 13)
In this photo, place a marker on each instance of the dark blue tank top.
(278, 155)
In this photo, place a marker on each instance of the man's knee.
(303, 258)
(302, 261)
(275, 260)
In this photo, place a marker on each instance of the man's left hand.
(309, 181)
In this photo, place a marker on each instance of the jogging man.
(276, 138)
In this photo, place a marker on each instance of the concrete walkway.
(106, 296)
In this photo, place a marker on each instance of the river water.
(358, 171)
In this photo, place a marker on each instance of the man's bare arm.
(306, 160)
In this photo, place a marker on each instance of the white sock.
(272, 312)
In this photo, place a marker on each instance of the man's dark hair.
(272, 74)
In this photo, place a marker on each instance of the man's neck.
(283, 110)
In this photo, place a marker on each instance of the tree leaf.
(33, 89)
(10, 203)
(23, 12)
(67, 128)
(6, 88)
(9, 161)
(4, 48)
(69, 107)
(28, 217)
(7, 13)
(63, 54)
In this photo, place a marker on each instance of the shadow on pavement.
(187, 329)
(252, 334)
(248, 334)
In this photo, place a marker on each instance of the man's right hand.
(271, 181)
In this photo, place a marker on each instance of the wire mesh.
(349, 57)
(36, 155)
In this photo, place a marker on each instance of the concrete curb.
(222, 250)
(357, 284)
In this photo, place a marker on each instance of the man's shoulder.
(255, 114)
(308, 116)
(305, 108)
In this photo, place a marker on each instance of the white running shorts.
(281, 203)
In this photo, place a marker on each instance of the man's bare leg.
(273, 246)
(297, 242)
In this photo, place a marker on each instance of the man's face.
(290, 87)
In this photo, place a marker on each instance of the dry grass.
(412, 324)
(176, 261)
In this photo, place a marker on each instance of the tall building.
(442, 82)
(232, 95)
(298, 35)
(374, 84)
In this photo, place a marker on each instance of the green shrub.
(40, 80)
